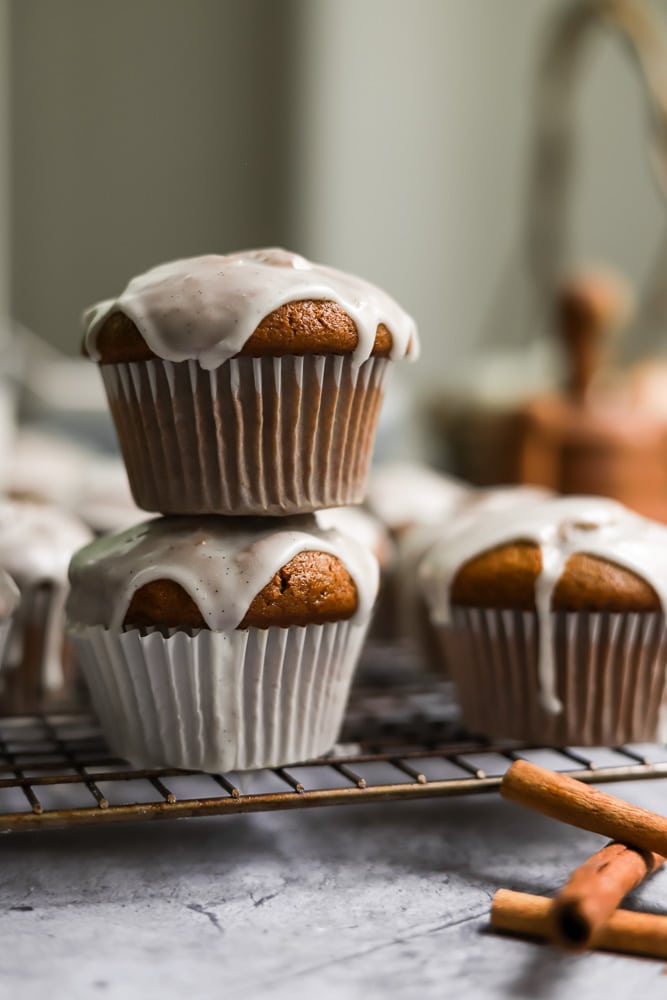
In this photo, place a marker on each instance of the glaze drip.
(207, 308)
(222, 564)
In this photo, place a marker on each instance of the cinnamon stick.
(634, 933)
(594, 890)
(572, 802)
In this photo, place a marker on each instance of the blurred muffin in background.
(48, 468)
(404, 494)
(411, 500)
(45, 467)
(9, 602)
(368, 530)
(413, 544)
(37, 541)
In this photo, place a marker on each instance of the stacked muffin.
(245, 391)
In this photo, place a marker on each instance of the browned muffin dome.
(297, 328)
(505, 577)
(312, 589)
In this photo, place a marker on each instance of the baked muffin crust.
(296, 328)
(312, 589)
(505, 577)
(263, 302)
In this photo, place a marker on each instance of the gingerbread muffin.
(247, 384)
(552, 620)
(219, 644)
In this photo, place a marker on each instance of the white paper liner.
(217, 701)
(4, 635)
(254, 436)
(610, 675)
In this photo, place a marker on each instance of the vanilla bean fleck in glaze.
(560, 527)
(206, 308)
(221, 563)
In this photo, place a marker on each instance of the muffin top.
(9, 596)
(37, 541)
(267, 302)
(569, 553)
(222, 574)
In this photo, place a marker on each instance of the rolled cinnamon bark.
(594, 891)
(572, 802)
(626, 931)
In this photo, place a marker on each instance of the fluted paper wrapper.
(4, 635)
(253, 436)
(39, 669)
(610, 675)
(220, 701)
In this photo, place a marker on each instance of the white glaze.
(561, 527)
(206, 308)
(221, 563)
(362, 526)
(406, 493)
(92, 486)
(45, 466)
(104, 499)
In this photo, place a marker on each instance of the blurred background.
(387, 138)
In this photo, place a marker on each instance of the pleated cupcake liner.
(38, 667)
(5, 628)
(270, 436)
(610, 673)
(217, 701)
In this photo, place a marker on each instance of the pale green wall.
(384, 136)
(143, 130)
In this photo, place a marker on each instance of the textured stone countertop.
(356, 902)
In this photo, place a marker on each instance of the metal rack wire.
(403, 743)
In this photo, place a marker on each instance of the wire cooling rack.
(402, 741)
